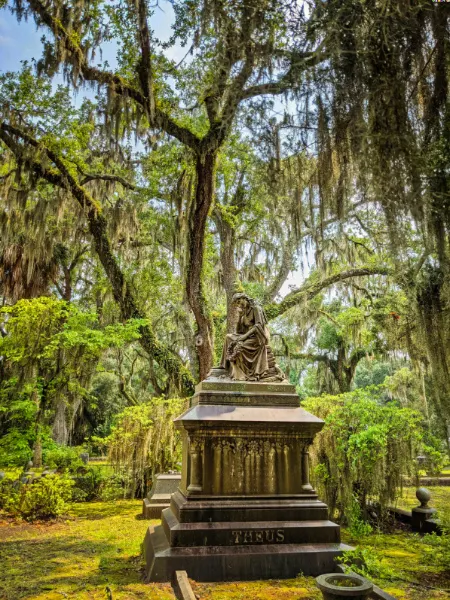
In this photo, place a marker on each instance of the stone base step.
(279, 508)
(153, 510)
(238, 562)
(248, 533)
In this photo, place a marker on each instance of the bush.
(439, 554)
(15, 448)
(9, 494)
(358, 527)
(363, 451)
(93, 484)
(88, 484)
(366, 562)
(112, 488)
(63, 458)
(45, 498)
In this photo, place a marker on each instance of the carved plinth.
(245, 508)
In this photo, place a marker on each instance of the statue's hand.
(235, 337)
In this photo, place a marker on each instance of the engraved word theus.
(266, 536)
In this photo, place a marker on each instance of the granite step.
(248, 533)
(248, 510)
(238, 562)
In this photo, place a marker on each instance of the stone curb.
(182, 587)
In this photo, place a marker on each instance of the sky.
(21, 41)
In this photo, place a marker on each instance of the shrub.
(439, 554)
(45, 498)
(63, 458)
(15, 448)
(9, 494)
(364, 449)
(88, 484)
(357, 526)
(112, 488)
(366, 562)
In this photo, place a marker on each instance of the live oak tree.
(240, 51)
(189, 180)
(383, 134)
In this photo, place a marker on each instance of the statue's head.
(241, 300)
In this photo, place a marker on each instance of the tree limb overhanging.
(122, 291)
(241, 60)
(309, 290)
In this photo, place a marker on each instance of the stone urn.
(337, 586)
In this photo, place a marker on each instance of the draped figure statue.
(247, 355)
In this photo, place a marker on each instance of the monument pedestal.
(245, 508)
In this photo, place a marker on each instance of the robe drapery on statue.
(247, 355)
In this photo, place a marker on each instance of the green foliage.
(364, 449)
(50, 355)
(93, 483)
(368, 563)
(44, 498)
(144, 442)
(62, 458)
(16, 445)
(372, 372)
(357, 526)
(112, 488)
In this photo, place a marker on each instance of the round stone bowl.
(337, 586)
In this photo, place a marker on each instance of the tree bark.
(227, 236)
(310, 289)
(204, 193)
(60, 431)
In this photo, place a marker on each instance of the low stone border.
(428, 481)
(182, 587)
(405, 516)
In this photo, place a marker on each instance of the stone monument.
(245, 508)
(158, 498)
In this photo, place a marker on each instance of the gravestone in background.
(164, 485)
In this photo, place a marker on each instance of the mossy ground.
(98, 547)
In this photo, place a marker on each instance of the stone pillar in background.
(422, 513)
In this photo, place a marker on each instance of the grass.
(98, 547)
(405, 565)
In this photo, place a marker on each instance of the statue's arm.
(248, 333)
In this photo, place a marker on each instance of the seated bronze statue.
(247, 355)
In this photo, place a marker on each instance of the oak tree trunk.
(125, 298)
(227, 236)
(204, 194)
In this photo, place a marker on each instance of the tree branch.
(117, 178)
(300, 61)
(118, 84)
(145, 64)
(309, 290)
